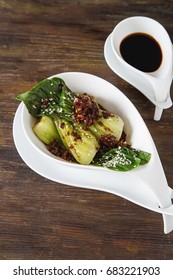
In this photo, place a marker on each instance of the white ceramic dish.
(145, 186)
(145, 83)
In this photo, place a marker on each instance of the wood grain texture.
(41, 219)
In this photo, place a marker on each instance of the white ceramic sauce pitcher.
(154, 85)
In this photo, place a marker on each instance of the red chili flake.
(44, 102)
(62, 125)
(76, 136)
(106, 114)
(86, 110)
(109, 140)
(57, 150)
(122, 142)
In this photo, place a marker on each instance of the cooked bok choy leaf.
(81, 143)
(46, 130)
(111, 125)
(51, 96)
(122, 159)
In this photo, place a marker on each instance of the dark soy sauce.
(141, 51)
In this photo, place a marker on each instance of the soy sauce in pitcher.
(141, 51)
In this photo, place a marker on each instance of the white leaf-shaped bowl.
(146, 185)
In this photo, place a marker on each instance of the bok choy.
(80, 126)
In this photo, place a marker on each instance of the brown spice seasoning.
(86, 110)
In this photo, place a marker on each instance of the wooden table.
(41, 219)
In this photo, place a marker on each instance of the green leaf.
(122, 159)
(144, 156)
(43, 98)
